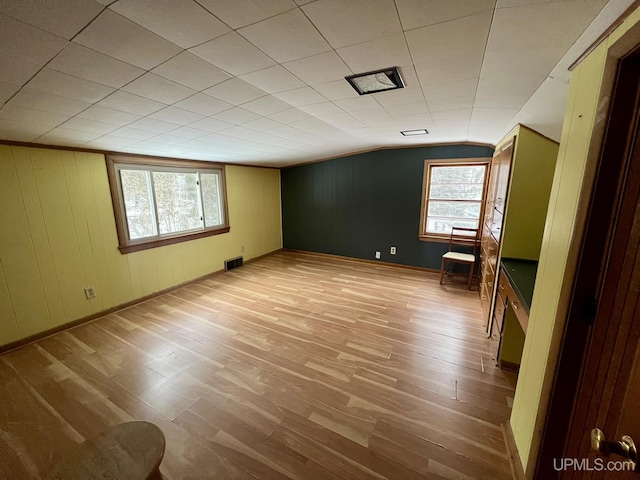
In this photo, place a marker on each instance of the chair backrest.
(463, 236)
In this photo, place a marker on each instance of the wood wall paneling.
(355, 205)
(59, 236)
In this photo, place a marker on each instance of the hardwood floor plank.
(293, 366)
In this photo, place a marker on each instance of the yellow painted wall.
(58, 235)
(557, 260)
(531, 179)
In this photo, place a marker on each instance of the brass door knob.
(626, 447)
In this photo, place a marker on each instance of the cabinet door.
(504, 171)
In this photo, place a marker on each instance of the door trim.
(600, 198)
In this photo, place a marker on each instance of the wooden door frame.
(600, 200)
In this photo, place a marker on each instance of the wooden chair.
(460, 237)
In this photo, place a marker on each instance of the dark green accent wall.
(355, 205)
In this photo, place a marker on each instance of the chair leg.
(471, 268)
(442, 270)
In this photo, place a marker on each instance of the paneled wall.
(58, 235)
(355, 205)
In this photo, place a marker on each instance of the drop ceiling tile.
(321, 68)
(25, 42)
(420, 13)
(114, 35)
(400, 111)
(273, 79)
(336, 90)
(27, 98)
(188, 132)
(130, 103)
(266, 105)
(365, 102)
(235, 91)
(356, 21)
(324, 108)
(90, 65)
(301, 96)
(262, 124)
(442, 55)
(191, 71)
(234, 54)
(22, 131)
(390, 51)
(177, 116)
(17, 71)
(296, 37)
(451, 89)
(63, 85)
(31, 115)
(289, 116)
(7, 91)
(169, 139)
(64, 19)
(133, 133)
(210, 124)
(158, 88)
(65, 136)
(203, 104)
(452, 103)
(86, 125)
(402, 96)
(239, 13)
(153, 125)
(182, 22)
(110, 141)
(108, 115)
(451, 114)
(236, 116)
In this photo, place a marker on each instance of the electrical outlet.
(393, 250)
(242, 248)
(90, 292)
(377, 255)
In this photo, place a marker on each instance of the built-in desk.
(511, 310)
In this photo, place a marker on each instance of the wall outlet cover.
(90, 292)
(378, 255)
(393, 250)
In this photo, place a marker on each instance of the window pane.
(443, 225)
(458, 174)
(459, 191)
(136, 190)
(177, 201)
(465, 210)
(211, 202)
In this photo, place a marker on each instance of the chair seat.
(460, 257)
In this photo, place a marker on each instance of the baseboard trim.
(362, 260)
(509, 366)
(517, 472)
(94, 316)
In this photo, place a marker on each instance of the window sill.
(434, 238)
(439, 238)
(136, 247)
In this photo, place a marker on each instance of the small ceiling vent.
(377, 81)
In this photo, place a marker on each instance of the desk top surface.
(522, 276)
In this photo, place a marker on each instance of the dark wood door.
(597, 382)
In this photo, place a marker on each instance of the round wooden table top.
(131, 451)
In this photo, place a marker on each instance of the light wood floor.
(293, 366)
